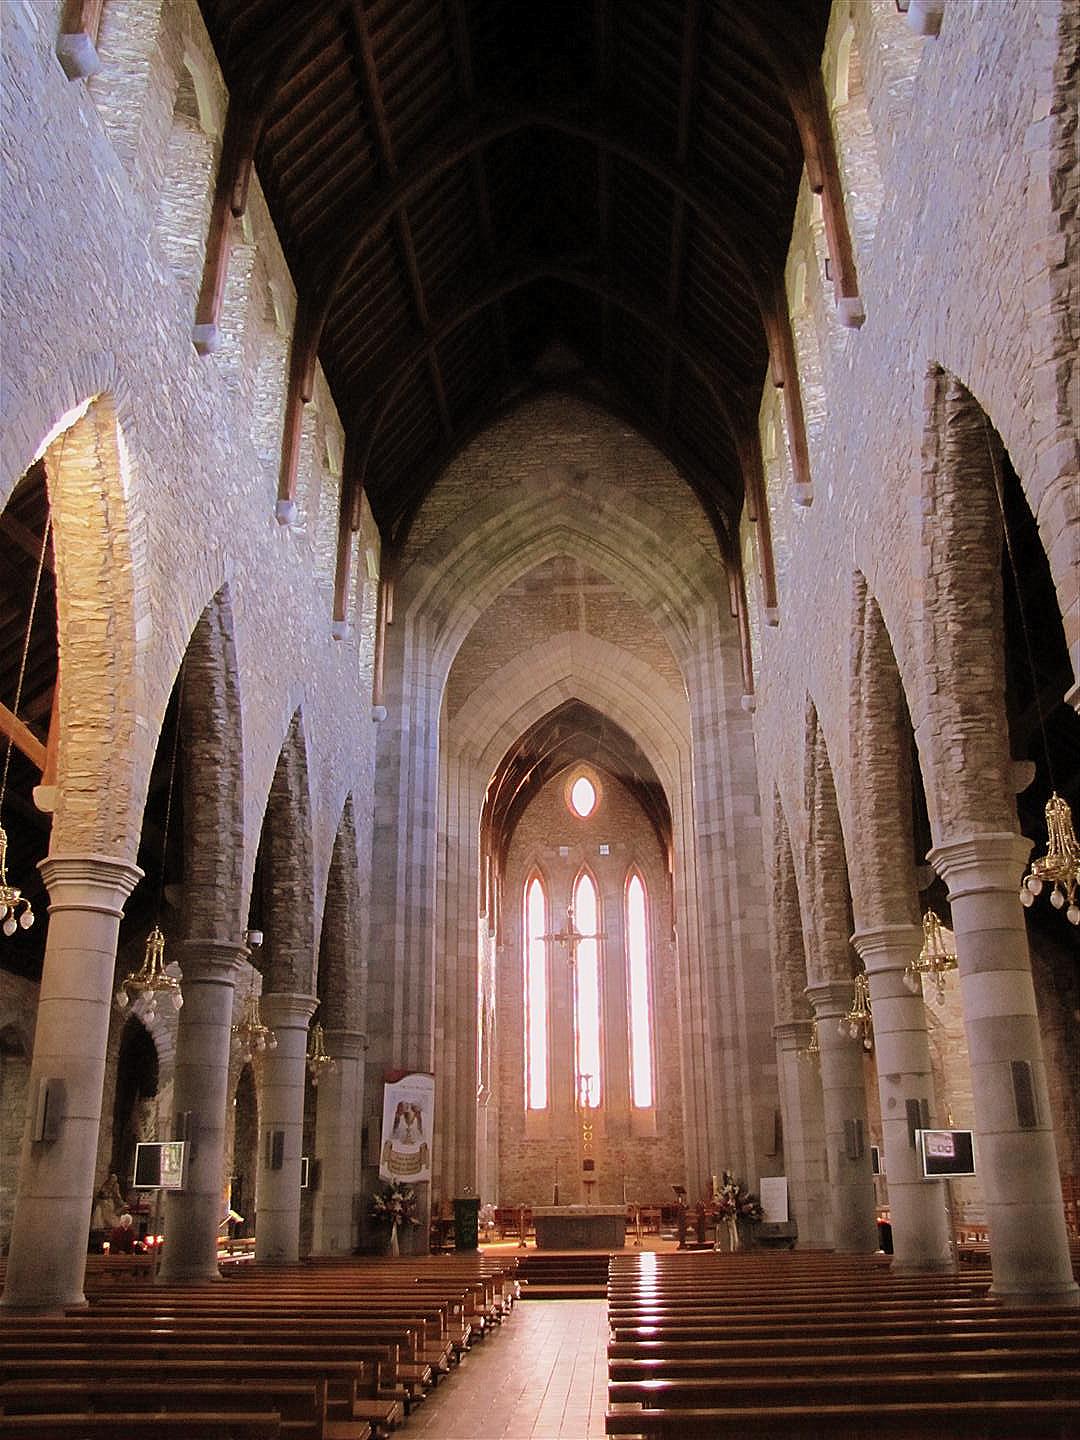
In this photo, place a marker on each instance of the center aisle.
(540, 1376)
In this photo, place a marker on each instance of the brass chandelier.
(934, 960)
(859, 1019)
(249, 1032)
(1060, 866)
(318, 1061)
(151, 979)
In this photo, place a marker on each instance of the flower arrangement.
(397, 1205)
(732, 1200)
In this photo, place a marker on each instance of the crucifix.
(571, 937)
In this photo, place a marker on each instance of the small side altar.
(580, 1227)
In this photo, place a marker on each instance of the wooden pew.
(962, 1420)
(301, 1407)
(133, 1425)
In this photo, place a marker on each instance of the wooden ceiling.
(482, 198)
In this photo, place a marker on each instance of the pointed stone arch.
(213, 776)
(827, 924)
(786, 925)
(882, 873)
(102, 748)
(287, 871)
(342, 965)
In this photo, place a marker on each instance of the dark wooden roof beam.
(373, 96)
(823, 172)
(379, 210)
(785, 372)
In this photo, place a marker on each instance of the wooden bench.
(135, 1425)
(300, 1406)
(962, 1420)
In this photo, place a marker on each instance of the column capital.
(887, 947)
(345, 1044)
(793, 1034)
(88, 882)
(830, 1000)
(993, 860)
(211, 962)
(283, 1010)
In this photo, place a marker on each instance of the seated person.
(122, 1236)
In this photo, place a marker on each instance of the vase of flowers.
(395, 1206)
(733, 1202)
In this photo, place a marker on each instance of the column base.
(1063, 1296)
(924, 1267)
(200, 1276)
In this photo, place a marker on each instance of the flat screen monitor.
(945, 1153)
(160, 1166)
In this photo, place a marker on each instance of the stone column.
(1016, 1159)
(920, 1222)
(338, 1118)
(201, 1089)
(47, 1262)
(281, 1108)
(804, 1134)
(843, 1098)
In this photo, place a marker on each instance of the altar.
(580, 1227)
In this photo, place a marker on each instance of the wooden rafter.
(384, 140)
(691, 44)
(720, 383)
(249, 108)
(467, 80)
(602, 30)
(22, 737)
(478, 133)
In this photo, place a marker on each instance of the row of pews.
(327, 1350)
(815, 1345)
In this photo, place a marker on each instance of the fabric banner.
(408, 1107)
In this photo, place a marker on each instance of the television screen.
(946, 1152)
(159, 1166)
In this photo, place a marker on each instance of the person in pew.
(122, 1236)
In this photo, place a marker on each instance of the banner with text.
(408, 1107)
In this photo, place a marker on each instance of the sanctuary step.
(564, 1275)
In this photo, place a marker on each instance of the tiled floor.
(542, 1375)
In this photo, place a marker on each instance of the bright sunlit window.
(583, 797)
(637, 950)
(536, 995)
(586, 916)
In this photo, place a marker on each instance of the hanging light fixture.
(249, 1032)
(813, 1049)
(151, 979)
(935, 959)
(318, 1061)
(859, 1018)
(1060, 866)
(16, 911)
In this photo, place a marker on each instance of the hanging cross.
(571, 937)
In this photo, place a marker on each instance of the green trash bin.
(466, 1222)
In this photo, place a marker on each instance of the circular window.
(583, 797)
